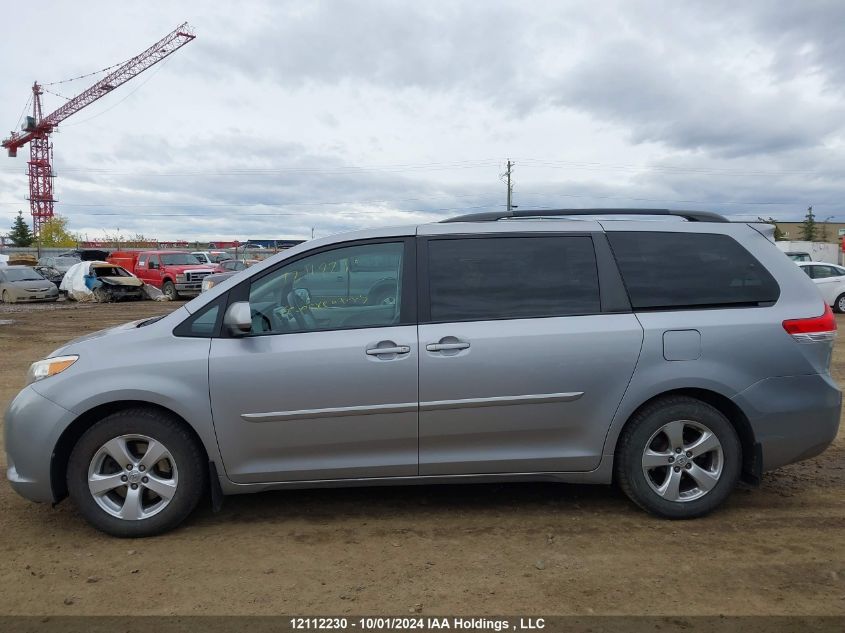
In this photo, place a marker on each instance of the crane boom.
(168, 45)
(37, 129)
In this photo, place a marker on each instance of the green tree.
(778, 232)
(54, 233)
(20, 233)
(808, 227)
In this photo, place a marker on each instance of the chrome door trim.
(336, 412)
(500, 401)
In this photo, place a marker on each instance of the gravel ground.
(475, 549)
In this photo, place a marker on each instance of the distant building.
(835, 231)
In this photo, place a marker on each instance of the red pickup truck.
(175, 273)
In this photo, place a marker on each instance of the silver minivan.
(675, 354)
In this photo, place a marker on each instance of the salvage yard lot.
(480, 549)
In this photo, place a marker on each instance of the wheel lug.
(128, 466)
(142, 468)
(689, 453)
(671, 459)
(124, 478)
(145, 479)
(134, 486)
(677, 450)
(688, 466)
(677, 469)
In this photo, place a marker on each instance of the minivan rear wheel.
(678, 458)
(136, 473)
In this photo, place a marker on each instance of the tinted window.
(685, 270)
(823, 272)
(320, 292)
(512, 278)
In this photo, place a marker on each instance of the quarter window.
(690, 270)
(512, 277)
(326, 291)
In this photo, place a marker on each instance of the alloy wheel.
(683, 461)
(132, 477)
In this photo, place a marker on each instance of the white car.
(830, 280)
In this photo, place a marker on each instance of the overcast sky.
(284, 116)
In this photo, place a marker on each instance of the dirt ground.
(476, 549)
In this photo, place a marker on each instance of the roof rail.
(492, 216)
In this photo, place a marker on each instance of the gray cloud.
(348, 114)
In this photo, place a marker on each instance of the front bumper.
(27, 297)
(793, 417)
(32, 427)
(189, 288)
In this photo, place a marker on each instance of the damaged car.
(102, 282)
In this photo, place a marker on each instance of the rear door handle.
(378, 351)
(442, 347)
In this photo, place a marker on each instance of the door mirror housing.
(238, 318)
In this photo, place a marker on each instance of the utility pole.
(509, 180)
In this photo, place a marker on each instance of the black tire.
(184, 449)
(634, 440)
(169, 289)
(101, 295)
(839, 304)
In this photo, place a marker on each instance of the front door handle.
(398, 349)
(443, 347)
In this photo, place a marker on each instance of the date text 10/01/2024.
(416, 623)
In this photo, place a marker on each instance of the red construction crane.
(36, 129)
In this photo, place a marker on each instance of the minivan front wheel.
(136, 473)
(678, 458)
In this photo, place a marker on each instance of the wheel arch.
(76, 429)
(751, 458)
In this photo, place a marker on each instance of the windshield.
(21, 274)
(219, 257)
(178, 259)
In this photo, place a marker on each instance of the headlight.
(180, 278)
(207, 284)
(49, 367)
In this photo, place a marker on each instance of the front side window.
(486, 278)
(324, 291)
(663, 270)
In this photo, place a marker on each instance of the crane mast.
(36, 129)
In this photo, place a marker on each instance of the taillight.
(813, 330)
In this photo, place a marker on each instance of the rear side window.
(512, 277)
(690, 270)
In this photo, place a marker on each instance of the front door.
(520, 370)
(324, 387)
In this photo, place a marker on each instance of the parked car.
(830, 280)
(175, 273)
(212, 280)
(798, 256)
(234, 265)
(211, 257)
(25, 284)
(674, 358)
(54, 268)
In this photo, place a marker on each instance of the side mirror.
(238, 318)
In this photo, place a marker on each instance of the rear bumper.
(793, 417)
